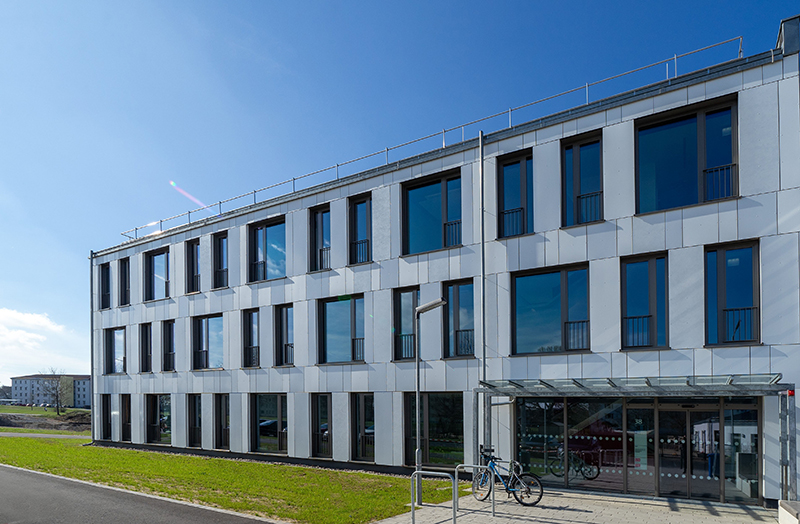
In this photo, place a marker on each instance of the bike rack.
(474, 467)
(415, 477)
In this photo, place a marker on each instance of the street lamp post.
(424, 308)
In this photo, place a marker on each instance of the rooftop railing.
(289, 186)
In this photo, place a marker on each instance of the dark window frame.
(564, 298)
(468, 340)
(360, 251)
(250, 348)
(220, 259)
(153, 418)
(321, 442)
(222, 421)
(284, 348)
(361, 439)
(400, 341)
(503, 223)
(193, 266)
(105, 416)
(150, 276)
(356, 343)
(320, 256)
(124, 269)
(442, 179)
(201, 359)
(145, 347)
(652, 282)
(109, 350)
(253, 272)
(409, 425)
(575, 143)
(255, 430)
(721, 293)
(681, 113)
(105, 286)
(125, 417)
(195, 430)
(168, 345)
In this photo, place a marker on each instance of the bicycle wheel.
(556, 466)
(527, 489)
(481, 485)
(590, 471)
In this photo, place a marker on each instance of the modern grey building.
(642, 301)
(38, 389)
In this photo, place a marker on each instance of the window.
(193, 266)
(269, 423)
(405, 329)
(583, 180)
(284, 323)
(115, 350)
(156, 275)
(551, 311)
(145, 348)
(684, 158)
(515, 193)
(208, 342)
(124, 281)
(222, 407)
(732, 294)
(125, 417)
(644, 302)
(267, 251)
(360, 229)
(220, 242)
(321, 425)
(195, 421)
(342, 329)
(432, 214)
(460, 320)
(105, 417)
(250, 332)
(363, 426)
(168, 345)
(442, 424)
(320, 238)
(159, 419)
(105, 286)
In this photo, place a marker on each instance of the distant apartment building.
(642, 301)
(37, 389)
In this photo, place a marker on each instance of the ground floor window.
(105, 417)
(321, 435)
(195, 421)
(363, 405)
(159, 419)
(269, 423)
(125, 417)
(442, 428)
(222, 406)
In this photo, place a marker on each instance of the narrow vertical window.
(582, 180)
(321, 425)
(360, 229)
(432, 214)
(284, 323)
(193, 266)
(250, 358)
(168, 345)
(342, 329)
(156, 275)
(363, 409)
(222, 406)
(405, 329)
(158, 410)
(460, 320)
(732, 294)
(195, 421)
(220, 241)
(125, 417)
(321, 238)
(145, 348)
(105, 286)
(644, 306)
(515, 193)
(124, 281)
(208, 342)
(105, 417)
(115, 350)
(267, 251)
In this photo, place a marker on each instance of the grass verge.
(50, 413)
(302, 494)
(4, 429)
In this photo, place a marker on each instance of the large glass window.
(195, 421)
(460, 320)
(250, 356)
(360, 229)
(363, 426)
(124, 281)
(686, 158)
(342, 325)
(321, 238)
(732, 294)
(551, 311)
(270, 423)
(741, 455)
(644, 302)
(105, 286)
(515, 180)
(115, 350)
(583, 180)
(222, 432)
(208, 342)
(321, 434)
(540, 436)
(159, 419)
(593, 455)
(442, 428)
(168, 345)
(267, 251)
(641, 463)
(284, 335)
(432, 215)
(220, 260)
(146, 347)
(405, 329)
(156, 276)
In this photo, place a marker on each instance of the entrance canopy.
(681, 386)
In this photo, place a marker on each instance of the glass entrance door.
(689, 458)
(704, 461)
(672, 429)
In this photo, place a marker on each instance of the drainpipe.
(91, 338)
(487, 414)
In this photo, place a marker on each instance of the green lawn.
(302, 494)
(51, 412)
(4, 429)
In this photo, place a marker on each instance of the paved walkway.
(568, 507)
(42, 435)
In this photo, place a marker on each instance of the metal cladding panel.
(649, 233)
(340, 426)
(676, 362)
(701, 225)
(758, 215)
(789, 211)
(789, 111)
(339, 233)
(686, 298)
(547, 186)
(572, 245)
(730, 360)
(759, 158)
(780, 280)
(618, 171)
(604, 305)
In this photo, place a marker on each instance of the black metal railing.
(359, 251)
(576, 334)
(358, 349)
(465, 342)
(512, 222)
(590, 207)
(169, 361)
(720, 182)
(324, 258)
(258, 271)
(200, 359)
(365, 448)
(125, 296)
(220, 278)
(321, 443)
(195, 436)
(404, 346)
(452, 233)
(741, 324)
(105, 300)
(283, 441)
(637, 331)
(288, 354)
(194, 284)
(251, 357)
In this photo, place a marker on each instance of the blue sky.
(103, 103)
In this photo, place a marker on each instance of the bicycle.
(576, 465)
(526, 487)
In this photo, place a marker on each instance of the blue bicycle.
(526, 487)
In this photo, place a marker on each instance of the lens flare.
(187, 195)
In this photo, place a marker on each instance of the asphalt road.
(28, 497)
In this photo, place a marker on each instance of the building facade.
(642, 300)
(37, 389)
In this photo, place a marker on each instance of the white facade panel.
(618, 171)
(759, 161)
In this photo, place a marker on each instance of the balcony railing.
(200, 360)
(358, 349)
(125, 296)
(169, 361)
(105, 300)
(576, 334)
(590, 207)
(323, 258)
(287, 356)
(258, 271)
(637, 331)
(193, 284)
(251, 357)
(741, 324)
(321, 443)
(359, 251)
(465, 342)
(452, 233)
(512, 222)
(365, 446)
(720, 182)
(404, 346)
(195, 436)
(221, 278)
